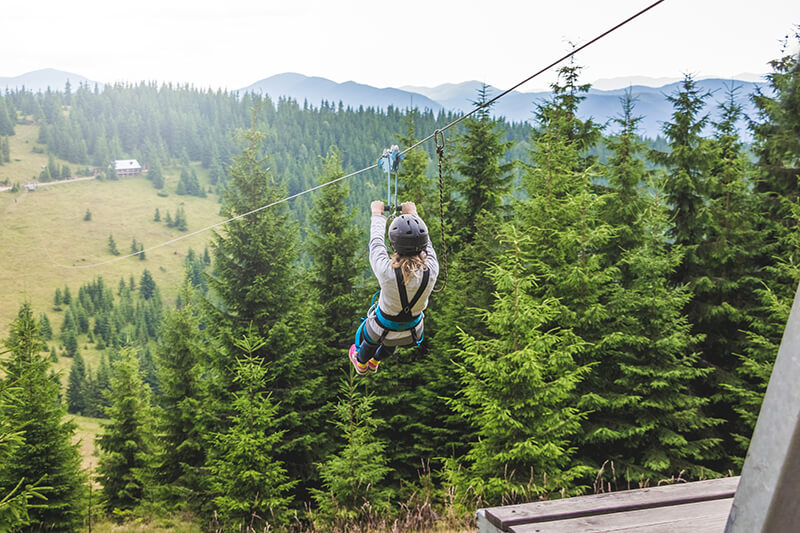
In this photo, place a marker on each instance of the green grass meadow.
(47, 244)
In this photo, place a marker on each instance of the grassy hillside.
(46, 243)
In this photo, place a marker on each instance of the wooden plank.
(700, 517)
(627, 500)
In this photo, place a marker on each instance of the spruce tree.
(6, 124)
(255, 283)
(517, 387)
(182, 450)
(127, 442)
(15, 498)
(725, 290)
(112, 246)
(687, 164)
(416, 185)
(45, 329)
(254, 256)
(250, 484)
(48, 455)
(646, 416)
(647, 332)
(352, 478)
(333, 244)
(776, 130)
(76, 386)
(486, 180)
(147, 286)
(155, 175)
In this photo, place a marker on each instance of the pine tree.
(88, 216)
(352, 478)
(687, 165)
(48, 455)
(70, 339)
(646, 416)
(15, 498)
(76, 386)
(127, 442)
(517, 387)
(157, 217)
(180, 429)
(777, 150)
(333, 243)
(6, 124)
(486, 180)
(254, 257)
(147, 286)
(250, 484)
(416, 185)
(725, 289)
(180, 219)
(155, 175)
(112, 246)
(45, 329)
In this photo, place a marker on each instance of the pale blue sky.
(233, 43)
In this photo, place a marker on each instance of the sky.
(232, 43)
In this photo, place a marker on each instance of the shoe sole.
(353, 360)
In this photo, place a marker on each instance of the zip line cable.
(433, 135)
(212, 226)
(538, 73)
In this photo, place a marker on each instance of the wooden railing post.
(768, 497)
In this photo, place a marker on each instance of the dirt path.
(47, 183)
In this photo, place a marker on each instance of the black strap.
(401, 288)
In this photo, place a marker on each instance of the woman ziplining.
(395, 320)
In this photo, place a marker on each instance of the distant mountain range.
(47, 78)
(601, 105)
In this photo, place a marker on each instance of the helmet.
(408, 235)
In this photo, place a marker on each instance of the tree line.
(607, 319)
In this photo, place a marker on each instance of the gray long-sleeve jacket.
(389, 302)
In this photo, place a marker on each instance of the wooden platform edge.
(503, 518)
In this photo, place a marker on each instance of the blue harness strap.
(402, 322)
(393, 325)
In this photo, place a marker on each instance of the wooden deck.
(700, 507)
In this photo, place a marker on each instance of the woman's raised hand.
(376, 207)
(408, 208)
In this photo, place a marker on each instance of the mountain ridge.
(601, 104)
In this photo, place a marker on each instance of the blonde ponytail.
(411, 266)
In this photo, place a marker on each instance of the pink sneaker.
(372, 366)
(361, 368)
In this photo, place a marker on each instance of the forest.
(607, 316)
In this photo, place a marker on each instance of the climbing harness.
(401, 329)
(438, 139)
(390, 163)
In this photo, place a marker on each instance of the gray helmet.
(408, 235)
